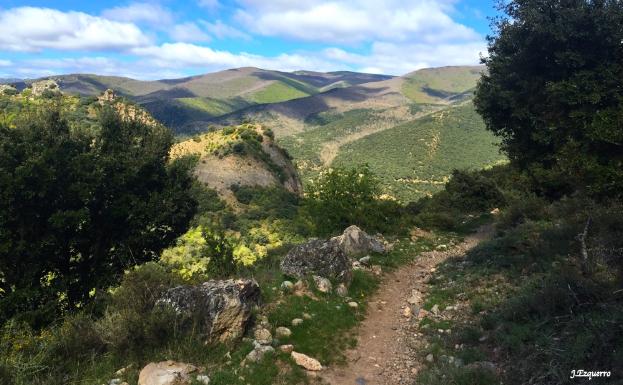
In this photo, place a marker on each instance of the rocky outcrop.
(7, 89)
(317, 257)
(221, 308)
(356, 242)
(166, 373)
(38, 88)
(108, 96)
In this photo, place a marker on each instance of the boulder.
(221, 308)
(355, 242)
(317, 257)
(166, 373)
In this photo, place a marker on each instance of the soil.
(387, 349)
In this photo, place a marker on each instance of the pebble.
(435, 309)
(353, 305)
(307, 316)
(341, 290)
(430, 358)
(297, 322)
(263, 336)
(287, 348)
(282, 332)
(287, 286)
(203, 379)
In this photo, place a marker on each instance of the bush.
(341, 197)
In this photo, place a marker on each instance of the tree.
(77, 208)
(554, 92)
(341, 197)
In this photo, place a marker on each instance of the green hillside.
(431, 84)
(416, 158)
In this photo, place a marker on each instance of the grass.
(276, 92)
(418, 157)
(527, 308)
(431, 85)
(214, 107)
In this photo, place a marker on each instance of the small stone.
(257, 354)
(122, 371)
(353, 305)
(406, 312)
(115, 381)
(203, 379)
(341, 290)
(365, 260)
(282, 332)
(263, 336)
(414, 298)
(287, 348)
(430, 358)
(322, 284)
(376, 270)
(287, 286)
(306, 362)
(297, 322)
(357, 265)
(299, 285)
(262, 320)
(483, 338)
(435, 309)
(307, 316)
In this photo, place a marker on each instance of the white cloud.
(5, 63)
(355, 21)
(188, 32)
(209, 4)
(184, 55)
(140, 12)
(35, 29)
(399, 59)
(223, 31)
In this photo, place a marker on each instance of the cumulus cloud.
(188, 32)
(182, 55)
(221, 30)
(35, 29)
(355, 21)
(140, 12)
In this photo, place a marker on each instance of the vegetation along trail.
(388, 343)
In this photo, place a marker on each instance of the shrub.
(341, 197)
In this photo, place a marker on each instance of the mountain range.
(412, 130)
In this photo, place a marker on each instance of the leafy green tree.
(554, 92)
(78, 208)
(341, 197)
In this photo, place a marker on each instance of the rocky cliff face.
(243, 155)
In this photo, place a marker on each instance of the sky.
(175, 38)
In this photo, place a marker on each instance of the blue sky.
(174, 38)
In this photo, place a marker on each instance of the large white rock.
(166, 373)
(355, 242)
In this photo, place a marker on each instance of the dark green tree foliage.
(554, 92)
(76, 208)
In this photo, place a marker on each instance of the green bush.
(341, 197)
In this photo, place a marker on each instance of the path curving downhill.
(385, 351)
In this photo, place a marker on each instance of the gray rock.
(356, 242)
(430, 358)
(297, 322)
(341, 290)
(115, 381)
(263, 336)
(317, 257)
(257, 354)
(435, 309)
(166, 373)
(282, 332)
(287, 286)
(203, 379)
(322, 284)
(365, 260)
(222, 308)
(353, 305)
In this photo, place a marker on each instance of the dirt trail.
(385, 349)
